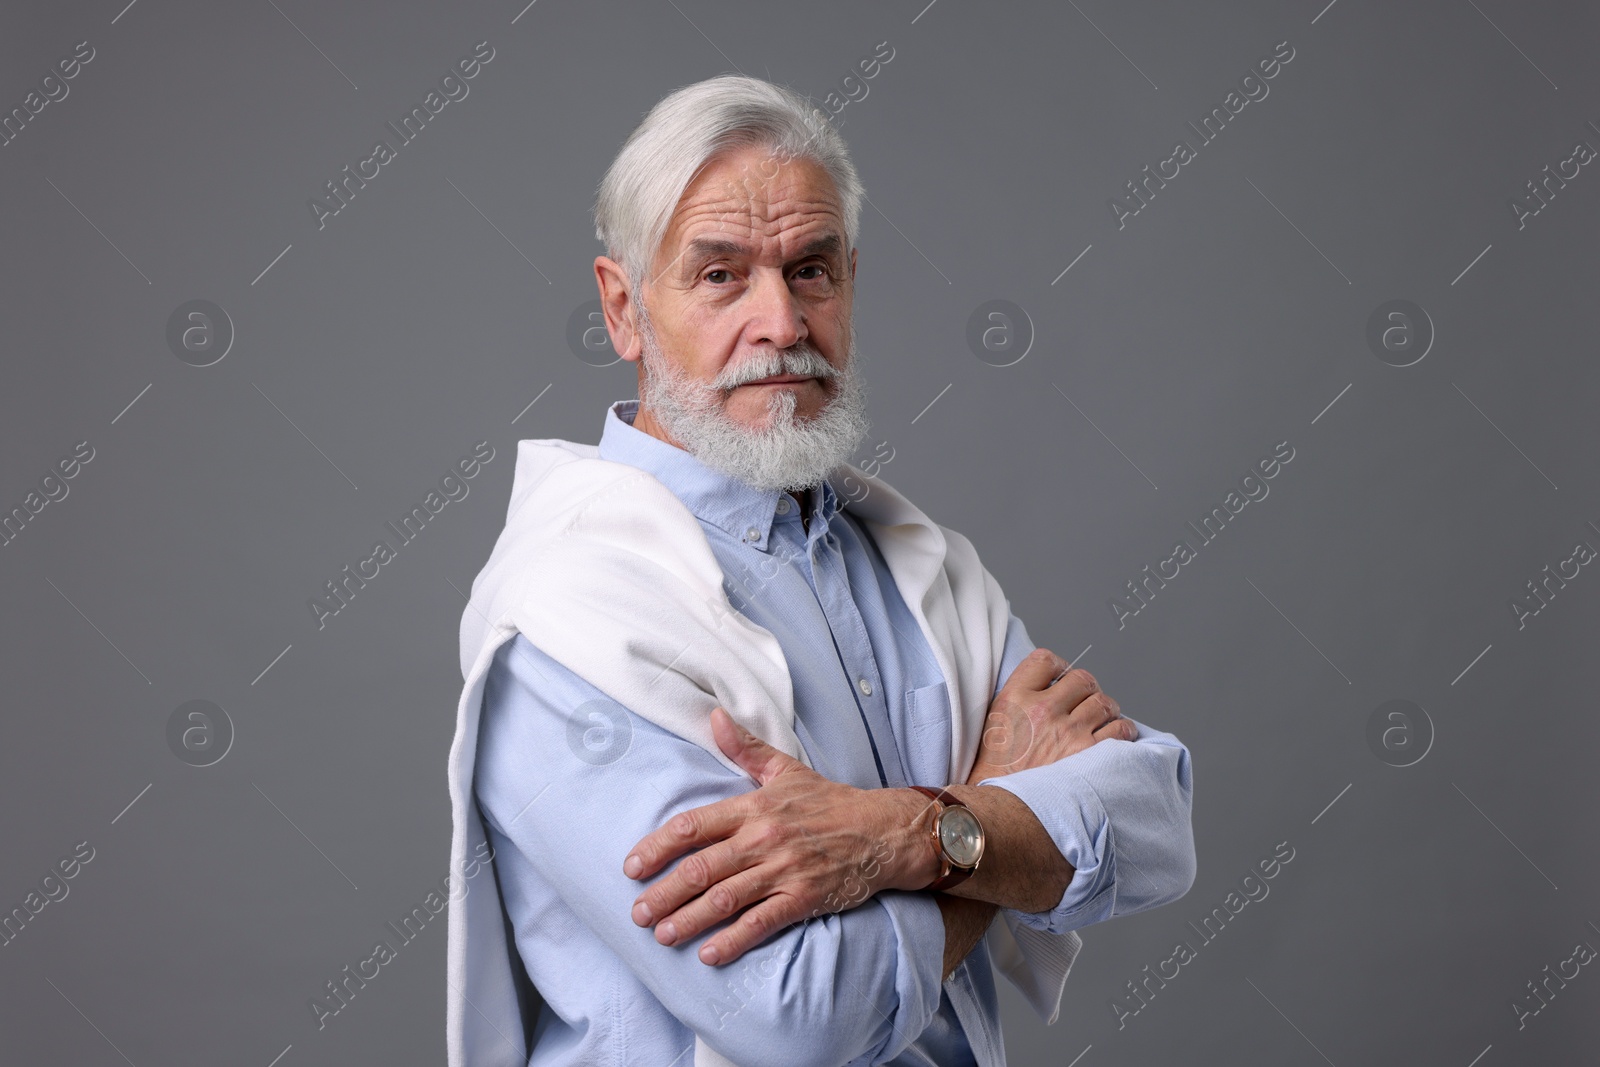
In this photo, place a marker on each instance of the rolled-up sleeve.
(569, 781)
(1119, 812)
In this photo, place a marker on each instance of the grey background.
(1227, 316)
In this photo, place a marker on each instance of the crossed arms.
(1083, 824)
(793, 848)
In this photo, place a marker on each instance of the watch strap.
(943, 796)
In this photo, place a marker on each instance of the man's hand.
(798, 846)
(1042, 714)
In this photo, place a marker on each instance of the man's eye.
(711, 275)
(816, 267)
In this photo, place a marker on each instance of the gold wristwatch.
(957, 839)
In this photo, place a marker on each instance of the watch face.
(961, 835)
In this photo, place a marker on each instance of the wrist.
(913, 862)
(982, 771)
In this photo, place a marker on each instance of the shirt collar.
(743, 511)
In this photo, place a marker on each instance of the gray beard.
(783, 453)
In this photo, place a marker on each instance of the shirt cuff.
(1069, 808)
(1036, 963)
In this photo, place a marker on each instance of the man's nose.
(775, 314)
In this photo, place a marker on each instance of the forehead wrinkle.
(769, 214)
(789, 236)
(706, 246)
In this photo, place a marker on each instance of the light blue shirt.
(566, 792)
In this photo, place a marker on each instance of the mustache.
(803, 359)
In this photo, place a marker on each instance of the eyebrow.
(704, 249)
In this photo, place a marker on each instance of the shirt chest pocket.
(928, 716)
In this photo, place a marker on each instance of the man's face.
(744, 328)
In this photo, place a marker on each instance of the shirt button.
(783, 505)
(752, 534)
(865, 687)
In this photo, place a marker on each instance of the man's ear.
(852, 264)
(617, 304)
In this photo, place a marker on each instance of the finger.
(750, 929)
(1097, 709)
(695, 828)
(1118, 729)
(1070, 690)
(1037, 670)
(696, 873)
(758, 759)
(722, 900)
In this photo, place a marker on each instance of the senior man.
(734, 730)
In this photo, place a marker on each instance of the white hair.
(684, 132)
